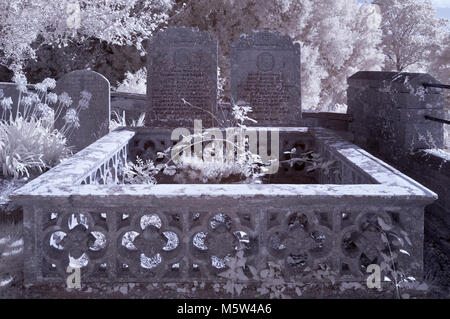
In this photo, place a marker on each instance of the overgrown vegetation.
(120, 120)
(221, 160)
(29, 141)
(28, 146)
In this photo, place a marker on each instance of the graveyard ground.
(436, 276)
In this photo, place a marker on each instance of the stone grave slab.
(265, 73)
(182, 78)
(93, 118)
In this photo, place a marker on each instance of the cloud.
(441, 3)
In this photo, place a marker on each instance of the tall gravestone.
(265, 73)
(182, 78)
(93, 120)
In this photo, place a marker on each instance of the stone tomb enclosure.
(82, 214)
(265, 72)
(182, 65)
(181, 232)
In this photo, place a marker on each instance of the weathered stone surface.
(182, 66)
(398, 82)
(93, 120)
(389, 109)
(167, 232)
(265, 72)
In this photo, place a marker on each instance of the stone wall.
(432, 169)
(175, 232)
(388, 111)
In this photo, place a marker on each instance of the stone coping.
(62, 183)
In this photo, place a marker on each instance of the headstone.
(8, 89)
(265, 73)
(93, 118)
(182, 78)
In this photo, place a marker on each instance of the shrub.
(119, 121)
(28, 146)
(28, 142)
(134, 82)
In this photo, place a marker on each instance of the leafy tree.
(411, 33)
(440, 61)
(27, 24)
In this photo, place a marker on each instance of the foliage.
(209, 167)
(120, 120)
(134, 82)
(228, 160)
(28, 141)
(59, 22)
(411, 33)
(397, 243)
(440, 61)
(29, 146)
(193, 169)
(314, 161)
(140, 172)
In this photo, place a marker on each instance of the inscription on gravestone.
(94, 117)
(182, 66)
(265, 72)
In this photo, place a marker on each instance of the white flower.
(85, 95)
(35, 98)
(240, 111)
(49, 83)
(41, 87)
(48, 113)
(71, 118)
(52, 98)
(65, 99)
(6, 103)
(21, 82)
(45, 110)
(41, 107)
(83, 104)
(27, 100)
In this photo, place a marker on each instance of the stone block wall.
(432, 169)
(389, 109)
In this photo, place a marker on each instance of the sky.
(442, 8)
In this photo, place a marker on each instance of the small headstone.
(265, 73)
(8, 89)
(182, 78)
(95, 116)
